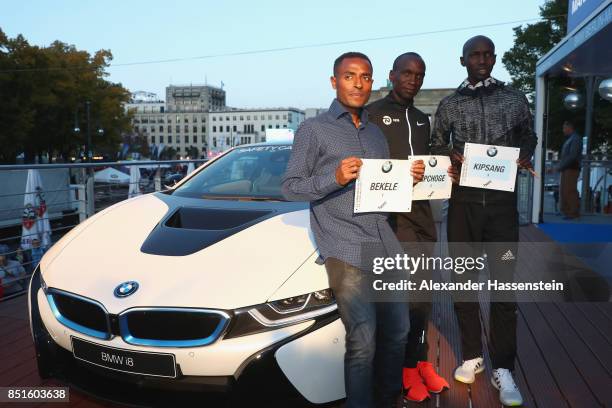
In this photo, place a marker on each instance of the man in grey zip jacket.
(485, 110)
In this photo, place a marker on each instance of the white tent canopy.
(111, 175)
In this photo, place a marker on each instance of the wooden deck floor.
(564, 351)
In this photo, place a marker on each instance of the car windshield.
(250, 172)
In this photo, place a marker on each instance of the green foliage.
(43, 91)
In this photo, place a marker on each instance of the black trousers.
(491, 228)
(416, 241)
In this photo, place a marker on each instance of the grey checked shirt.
(320, 144)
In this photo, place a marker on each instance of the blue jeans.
(376, 336)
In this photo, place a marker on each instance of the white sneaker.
(509, 393)
(466, 372)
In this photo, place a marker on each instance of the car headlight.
(280, 313)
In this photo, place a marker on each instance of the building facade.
(195, 116)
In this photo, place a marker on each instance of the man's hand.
(456, 159)
(453, 174)
(526, 164)
(348, 170)
(417, 170)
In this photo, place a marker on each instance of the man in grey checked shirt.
(324, 163)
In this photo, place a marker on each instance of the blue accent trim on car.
(128, 338)
(73, 325)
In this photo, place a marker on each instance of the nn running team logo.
(387, 120)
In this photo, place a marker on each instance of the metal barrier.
(67, 205)
(598, 199)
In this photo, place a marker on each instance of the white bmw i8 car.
(209, 286)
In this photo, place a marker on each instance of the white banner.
(383, 186)
(35, 220)
(436, 184)
(490, 167)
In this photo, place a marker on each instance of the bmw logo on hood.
(126, 289)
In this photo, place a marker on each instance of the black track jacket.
(407, 131)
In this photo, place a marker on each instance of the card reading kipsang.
(490, 167)
(436, 185)
(383, 186)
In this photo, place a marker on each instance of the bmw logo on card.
(433, 162)
(492, 151)
(126, 289)
(387, 166)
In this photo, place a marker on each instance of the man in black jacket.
(569, 166)
(486, 111)
(407, 131)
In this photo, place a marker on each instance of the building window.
(152, 129)
(170, 139)
(214, 118)
(195, 119)
(161, 139)
(263, 128)
(233, 118)
(269, 126)
(278, 126)
(290, 117)
(161, 109)
(227, 141)
(227, 118)
(235, 128)
(277, 117)
(203, 129)
(186, 128)
(227, 128)
(285, 117)
(169, 119)
(285, 125)
(195, 139)
(169, 129)
(153, 139)
(178, 129)
(186, 120)
(161, 128)
(269, 117)
(195, 129)
(214, 142)
(262, 117)
(220, 118)
(214, 128)
(249, 117)
(186, 139)
(242, 118)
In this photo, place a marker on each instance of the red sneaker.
(432, 380)
(414, 387)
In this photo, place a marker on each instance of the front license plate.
(129, 361)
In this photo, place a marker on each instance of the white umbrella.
(134, 182)
(111, 175)
(35, 221)
(190, 168)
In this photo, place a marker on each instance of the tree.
(43, 92)
(533, 41)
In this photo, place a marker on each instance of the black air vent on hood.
(212, 218)
(190, 229)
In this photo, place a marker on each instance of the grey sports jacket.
(489, 112)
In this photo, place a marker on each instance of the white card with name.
(489, 167)
(436, 184)
(383, 186)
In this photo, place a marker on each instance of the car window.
(245, 172)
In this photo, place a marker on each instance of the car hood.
(233, 265)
